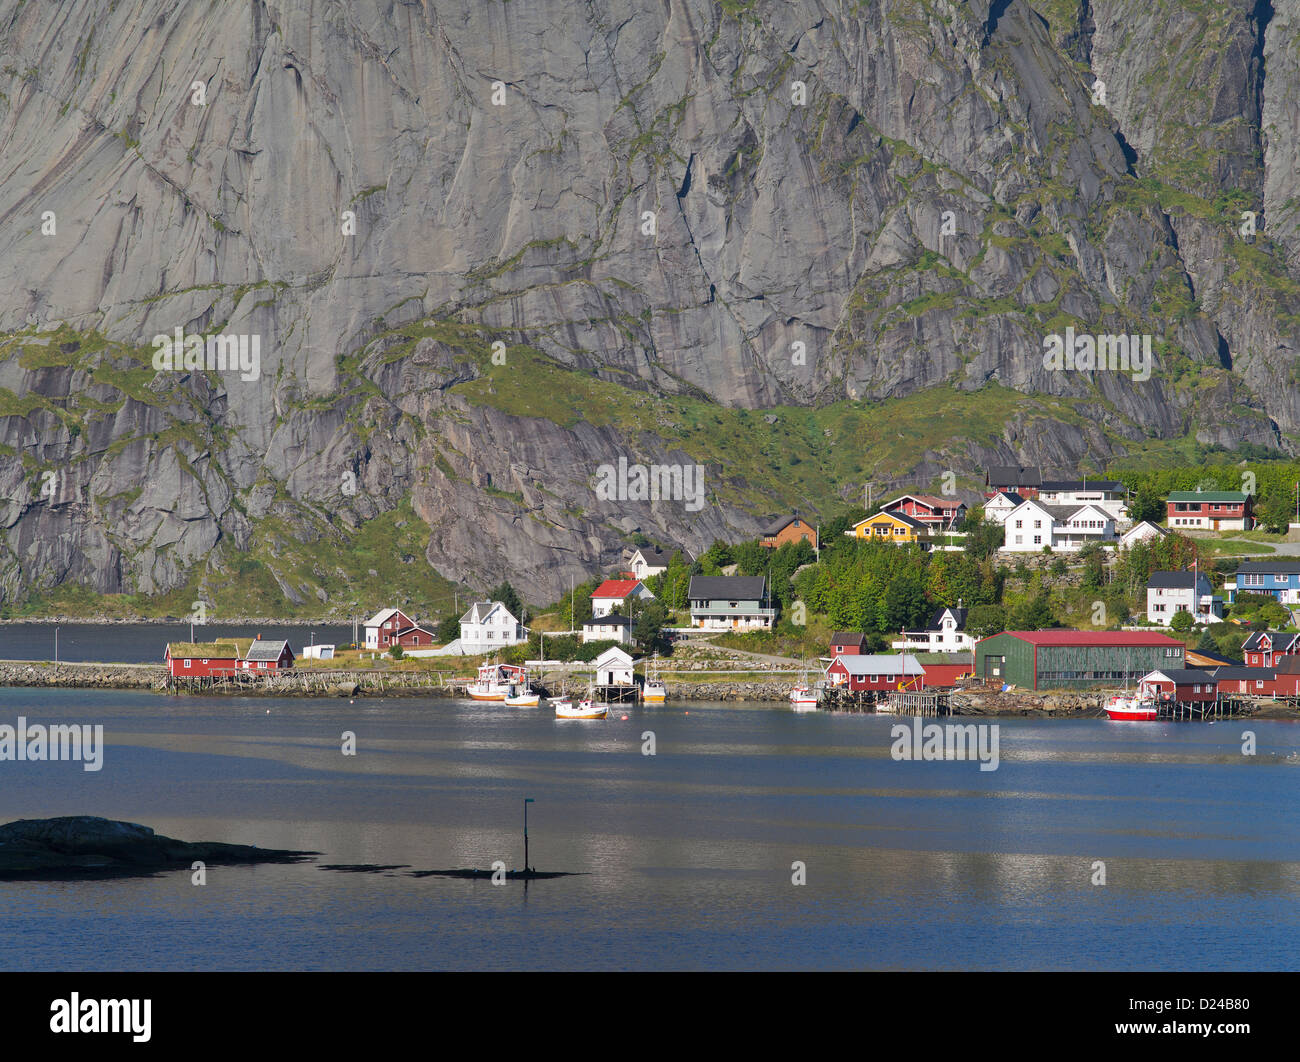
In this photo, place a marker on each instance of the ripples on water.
(686, 856)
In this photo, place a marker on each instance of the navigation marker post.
(527, 801)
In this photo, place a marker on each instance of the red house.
(266, 656)
(846, 643)
(1286, 680)
(946, 672)
(1238, 680)
(928, 509)
(1268, 648)
(201, 659)
(1210, 510)
(413, 637)
(1186, 685)
(878, 673)
(382, 628)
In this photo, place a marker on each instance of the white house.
(1141, 532)
(489, 625)
(648, 561)
(1000, 505)
(614, 668)
(613, 593)
(611, 627)
(1169, 593)
(946, 633)
(1033, 525)
(318, 652)
(1108, 495)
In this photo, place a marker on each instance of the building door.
(994, 666)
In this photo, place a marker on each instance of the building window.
(187, 663)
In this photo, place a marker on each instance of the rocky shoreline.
(85, 846)
(1062, 704)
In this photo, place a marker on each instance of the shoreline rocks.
(81, 846)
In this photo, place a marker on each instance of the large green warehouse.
(1045, 659)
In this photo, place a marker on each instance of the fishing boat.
(494, 682)
(803, 697)
(581, 710)
(654, 691)
(585, 709)
(1138, 706)
(1132, 707)
(522, 697)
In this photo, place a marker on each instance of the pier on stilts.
(310, 680)
(1220, 708)
(885, 702)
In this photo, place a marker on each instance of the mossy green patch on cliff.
(234, 584)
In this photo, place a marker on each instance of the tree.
(716, 556)
(1058, 567)
(1033, 615)
(505, 593)
(649, 625)
(1094, 566)
(985, 620)
(448, 629)
(983, 537)
(1181, 622)
(1274, 512)
(1148, 504)
(396, 652)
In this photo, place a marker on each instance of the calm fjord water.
(686, 855)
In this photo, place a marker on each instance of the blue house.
(1278, 578)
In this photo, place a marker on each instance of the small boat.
(654, 691)
(522, 697)
(803, 698)
(581, 710)
(494, 682)
(587, 709)
(1132, 708)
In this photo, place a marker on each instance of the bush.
(396, 652)
(1182, 622)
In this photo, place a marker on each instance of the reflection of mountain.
(948, 195)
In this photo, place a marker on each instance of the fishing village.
(667, 628)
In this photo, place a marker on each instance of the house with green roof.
(1210, 510)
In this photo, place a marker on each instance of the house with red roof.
(1075, 659)
(610, 595)
(930, 509)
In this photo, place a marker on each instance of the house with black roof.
(730, 603)
(1169, 593)
(945, 633)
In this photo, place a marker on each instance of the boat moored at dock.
(1129, 707)
(495, 681)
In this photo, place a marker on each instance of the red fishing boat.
(1132, 707)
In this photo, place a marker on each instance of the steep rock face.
(767, 204)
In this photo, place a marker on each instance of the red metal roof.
(615, 588)
(1092, 638)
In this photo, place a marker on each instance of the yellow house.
(889, 527)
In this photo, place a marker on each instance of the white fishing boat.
(494, 682)
(522, 697)
(585, 709)
(804, 696)
(654, 691)
(581, 710)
